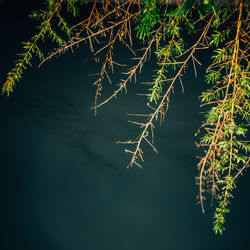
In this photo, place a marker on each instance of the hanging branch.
(159, 25)
(137, 153)
(31, 46)
(226, 152)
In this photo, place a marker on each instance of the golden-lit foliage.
(162, 27)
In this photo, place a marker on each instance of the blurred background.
(64, 181)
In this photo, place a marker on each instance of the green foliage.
(147, 20)
(184, 9)
(166, 58)
(31, 48)
(225, 31)
(224, 135)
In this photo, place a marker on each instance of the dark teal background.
(64, 181)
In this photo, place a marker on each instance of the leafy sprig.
(166, 58)
(147, 20)
(31, 48)
(227, 151)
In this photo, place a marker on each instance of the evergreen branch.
(132, 72)
(122, 31)
(31, 47)
(137, 153)
(227, 104)
(75, 41)
(224, 154)
(173, 47)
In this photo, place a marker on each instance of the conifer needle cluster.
(162, 26)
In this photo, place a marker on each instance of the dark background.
(64, 181)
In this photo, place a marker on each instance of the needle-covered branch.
(162, 28)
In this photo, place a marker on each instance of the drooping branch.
(136, 154)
